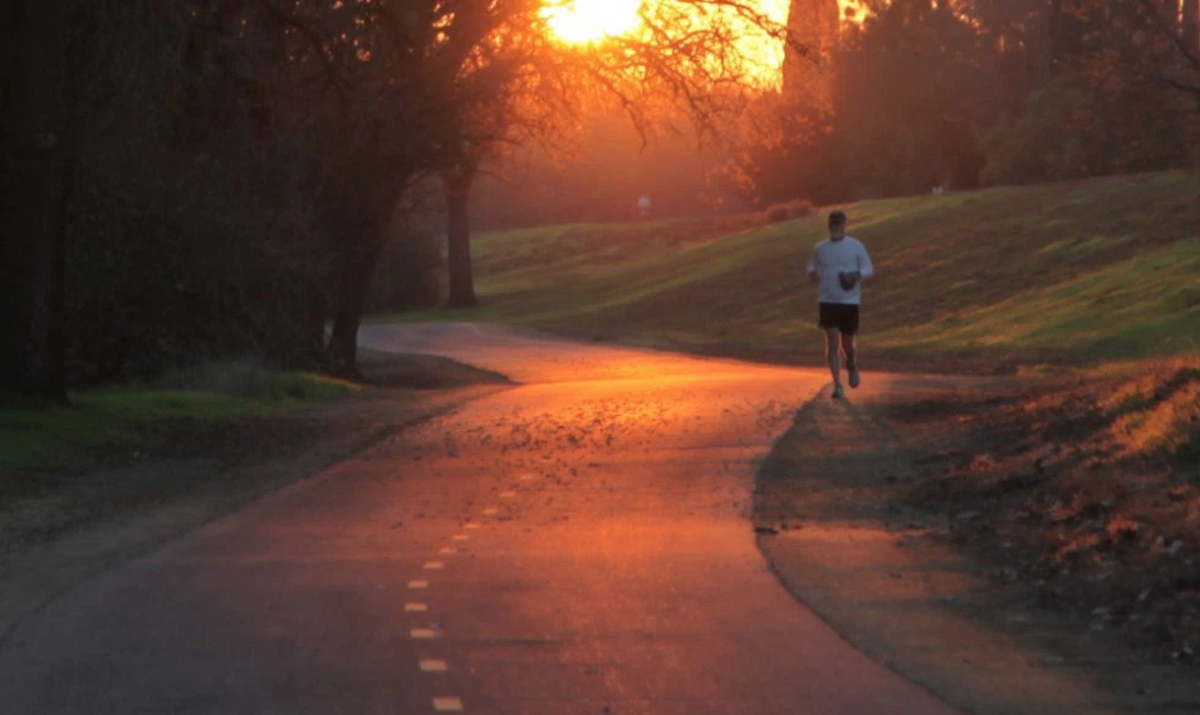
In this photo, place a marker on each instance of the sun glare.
(583, 21)
(586, 22)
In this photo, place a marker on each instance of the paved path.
(578, 544)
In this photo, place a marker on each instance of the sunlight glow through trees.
(583, 22)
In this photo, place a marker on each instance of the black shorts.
(842, 316)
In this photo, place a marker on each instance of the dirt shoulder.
(897, 516)
(79, 524)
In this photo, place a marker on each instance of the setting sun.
(759, 54)
(583, 21)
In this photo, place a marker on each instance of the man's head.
(837, 225)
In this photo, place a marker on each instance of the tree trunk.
(815, 25)
(1168, 10)
(38, 182)
(1063, 34)
(456, 184)
(353, 287)
(1191, 26)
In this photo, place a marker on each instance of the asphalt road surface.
(578, 544)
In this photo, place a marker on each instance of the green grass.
(1081, 272)
(245, 379)
(1147, 304)
(99, 423)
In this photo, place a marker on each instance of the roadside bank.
(844, 517)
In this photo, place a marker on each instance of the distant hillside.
(1082, 272)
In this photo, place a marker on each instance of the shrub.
(778, 213)
(183, 262)
(249, 379)
(794, 209)
(801, 208)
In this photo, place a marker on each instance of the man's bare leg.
(834, 358)
(850, 348)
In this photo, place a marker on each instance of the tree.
(1178, 28)
(510, 91)
(253, 152)
(1190, 26)
(814, 24)
(686, 54)
(40, 89)
(457, 181)
(192, 237)
(373, 81)
(907, 99)
(932, 92)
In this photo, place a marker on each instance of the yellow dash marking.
(491, 511)
(434, 666)
(448, 550)
(472, 526)
(416, 607)
(420, 583)
(507, 495)
(447, 705)
(461, 537)
(434, 565)
(423, 633)
(527, 477)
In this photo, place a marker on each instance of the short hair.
(837, 218)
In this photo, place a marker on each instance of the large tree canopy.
(963, 93)
(222, 175)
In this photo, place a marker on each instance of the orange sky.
(580, 21)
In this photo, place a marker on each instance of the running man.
(840, 265)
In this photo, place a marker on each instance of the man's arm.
(866, 270)
(814, 275)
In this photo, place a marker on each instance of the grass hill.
(1079, 272)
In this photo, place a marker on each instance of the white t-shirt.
(831, 257)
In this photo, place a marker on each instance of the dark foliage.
(929, 93)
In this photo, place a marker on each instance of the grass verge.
(1080, 272)
(100, 423)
